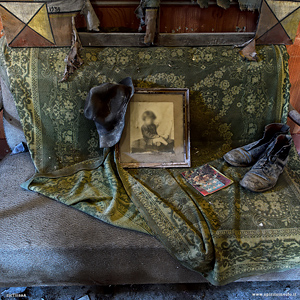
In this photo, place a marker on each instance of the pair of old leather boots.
(269, 156)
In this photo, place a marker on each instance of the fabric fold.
(225, 236)
(173, 216)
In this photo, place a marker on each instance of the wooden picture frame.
(157, 130)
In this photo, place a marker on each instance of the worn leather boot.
(264, 174)
(249, 154)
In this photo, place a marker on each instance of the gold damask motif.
(225, 236)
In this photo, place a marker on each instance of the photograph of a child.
(156, 132)
(152, 127)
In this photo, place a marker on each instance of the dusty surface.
(249, 290)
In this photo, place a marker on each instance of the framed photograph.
(157, 133)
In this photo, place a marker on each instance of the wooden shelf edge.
(165, 39)
(165, 2)
(4, 149)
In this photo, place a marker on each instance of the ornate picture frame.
(157, 130)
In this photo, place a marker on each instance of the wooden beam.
(163, 2)
(2, 134)
(164, 39)
(112, 39)
(295, 117)
(203, 39)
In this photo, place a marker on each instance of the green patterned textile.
(225, 236)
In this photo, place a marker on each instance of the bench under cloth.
(225, 236)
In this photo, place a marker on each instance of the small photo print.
(152, 127)
(206, 179)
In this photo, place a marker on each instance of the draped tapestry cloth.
(225, 236)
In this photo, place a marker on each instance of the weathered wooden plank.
(2, 134)
(4, 149)
(136, 2)
(294, 67)
(203, 39)
(188, 19)
(163, 39)
(177, 17)
(295, 117)
(112, 39)
(112, 16)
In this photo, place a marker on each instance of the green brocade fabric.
(225, 236)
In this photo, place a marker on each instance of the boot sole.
(264, 190)
(258, 191)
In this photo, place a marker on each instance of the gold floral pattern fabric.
(225, 236)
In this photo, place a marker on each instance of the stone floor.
(249, 290)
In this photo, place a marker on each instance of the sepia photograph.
(156, 132)
(152, 127)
